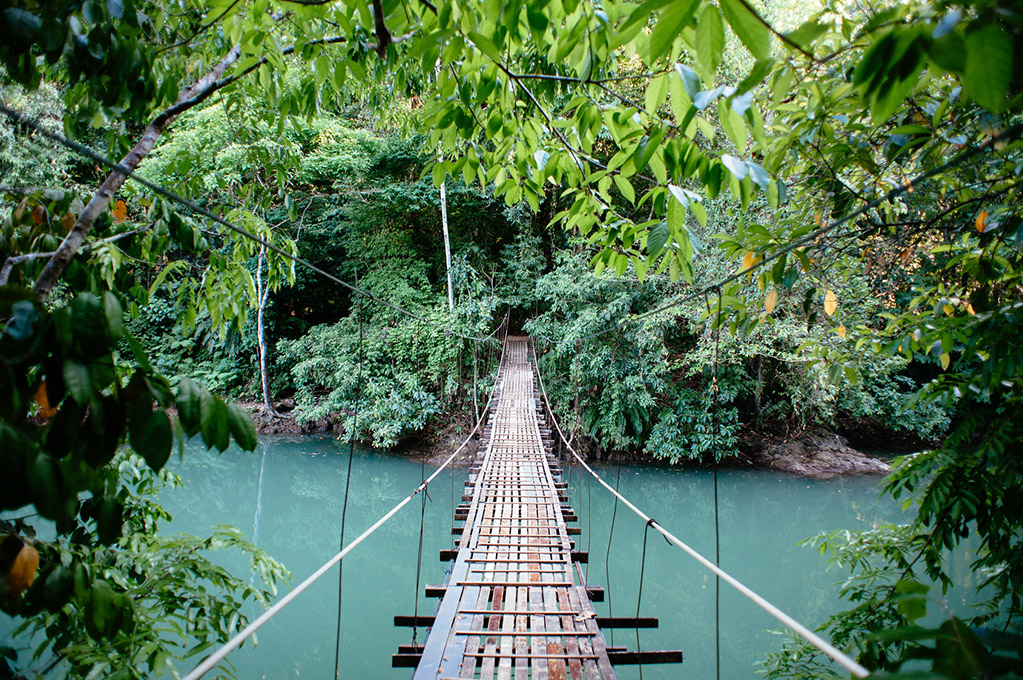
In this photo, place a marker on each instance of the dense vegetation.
(716, 220)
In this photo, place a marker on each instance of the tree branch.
(13, 260)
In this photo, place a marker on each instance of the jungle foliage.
(766, 217)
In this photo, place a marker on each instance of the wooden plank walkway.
(512, 606)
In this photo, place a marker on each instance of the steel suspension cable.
(827, 648)
(86, 152)
(716, 404)
(211, 661)
(348, 483)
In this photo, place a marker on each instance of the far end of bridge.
(516, 604)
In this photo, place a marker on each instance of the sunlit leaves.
(753, 33)
(710, 41)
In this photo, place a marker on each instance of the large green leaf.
(710, 42)
(215, 429)
(242, 428)
(189, 407)
(150, 433)
(78, 380)
(670, 24)
(989, 55)
(753, 33)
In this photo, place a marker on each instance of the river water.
(288, 494)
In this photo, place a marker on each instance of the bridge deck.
(512, 607)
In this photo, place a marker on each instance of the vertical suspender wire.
(607, 555)
(589, 521)
(348, 482)
(639, 595)
(419, 560)
(717, 538)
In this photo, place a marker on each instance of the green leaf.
(215, 428)
(733, 125)
(675, 18)
(657, 239)
(805, 35)
(751, 30)
(78, 380)
(242, 428)
(485, 45)
(149, 433)
(189, 406)
(989, 57)
(114, 314)
(710, 42)
(626, 188)
(755, 76)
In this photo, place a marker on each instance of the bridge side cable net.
(827, 648)
(211, 661)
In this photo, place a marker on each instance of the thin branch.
(202, 29)
(13, 260)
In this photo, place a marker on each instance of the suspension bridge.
(515, 603)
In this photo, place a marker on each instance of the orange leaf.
(45, 410)
(68, 221)
(830, 303)
(771, 300)
(120, 212)
(841, 331)
(23, 571)
(982, 221)
(969, 308)
(38, 214)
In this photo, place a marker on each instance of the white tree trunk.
(262, 297)
(447, 243)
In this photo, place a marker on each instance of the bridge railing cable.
(211, 661)
(827, 648)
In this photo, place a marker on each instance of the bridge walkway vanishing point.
(515, 604)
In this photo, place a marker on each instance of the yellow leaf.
(23, 571)
(841, 331)
(771, 300)
(68, 221)
(969, 308)
(948, 309)
(120, 212)
(45, 410)
(749, 260)
(982, 221)
(945, 360)
(830, 303)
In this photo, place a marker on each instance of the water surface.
(288, 495)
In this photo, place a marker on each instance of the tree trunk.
(192, 95)
(447, 243)
(262, 297)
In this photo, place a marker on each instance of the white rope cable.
(211, 661)
(835, 654)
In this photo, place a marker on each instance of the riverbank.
(817, 453)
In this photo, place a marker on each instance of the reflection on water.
(289, 491)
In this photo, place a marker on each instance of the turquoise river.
(287, 496)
